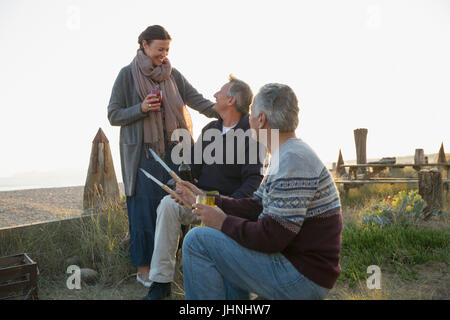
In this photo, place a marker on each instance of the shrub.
(403, 208)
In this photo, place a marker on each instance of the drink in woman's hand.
(157, 93)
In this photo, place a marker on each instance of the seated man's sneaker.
(158, 291)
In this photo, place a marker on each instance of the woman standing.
(147, 120)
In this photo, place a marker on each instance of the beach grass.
(90, 242)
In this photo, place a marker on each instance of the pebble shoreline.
(21, 207)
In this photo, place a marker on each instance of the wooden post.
(430, 188)
(340, 170)
(360, 143)
(419, 159)
(101, 186)
(442, 158)
(34, 295)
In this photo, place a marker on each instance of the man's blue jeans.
(217, 267)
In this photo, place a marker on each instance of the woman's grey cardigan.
(124, 110)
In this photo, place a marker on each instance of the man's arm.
(247, 208)
(251, 179)
(286, 203)
(265, 235)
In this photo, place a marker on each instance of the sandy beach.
(21, 207)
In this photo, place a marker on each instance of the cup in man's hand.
(205, 199)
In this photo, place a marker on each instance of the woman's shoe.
(146, 284)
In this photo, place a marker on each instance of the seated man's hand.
(181, 191)
(210, 216)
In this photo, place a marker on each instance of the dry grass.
(432, 284)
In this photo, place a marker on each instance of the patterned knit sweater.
(295, 211)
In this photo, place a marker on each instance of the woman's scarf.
(174, 114)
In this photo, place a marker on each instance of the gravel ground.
(21, 207)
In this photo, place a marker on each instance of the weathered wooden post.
(340, 170)
(430, 188)
(441, 157)
(360, 143)
(419, 159)
(101, 186)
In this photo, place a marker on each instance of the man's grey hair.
(280, 104)
(242, 93)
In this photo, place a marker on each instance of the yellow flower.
(408, 208)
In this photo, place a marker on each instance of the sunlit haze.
(380, 65)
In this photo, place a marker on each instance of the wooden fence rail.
(431, 182)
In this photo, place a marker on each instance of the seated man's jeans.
(217, 267)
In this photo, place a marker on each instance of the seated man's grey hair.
(242, 93)
(280, 104)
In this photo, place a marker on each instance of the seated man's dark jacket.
(234, 180)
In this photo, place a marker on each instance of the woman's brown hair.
(154, 32)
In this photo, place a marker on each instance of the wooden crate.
(18, 277)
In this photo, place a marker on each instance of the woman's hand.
(151, 103)
(210, 216)
(181, 191)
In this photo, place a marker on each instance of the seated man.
(283, 243)
(234, 180)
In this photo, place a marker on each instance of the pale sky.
(381, 65)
